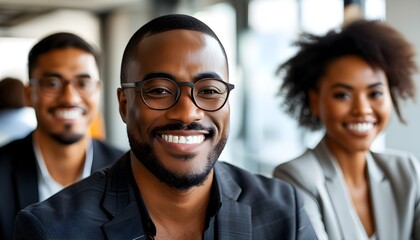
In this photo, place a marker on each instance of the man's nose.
(185, 110)
(69, 92)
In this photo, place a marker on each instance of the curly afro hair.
(380, 45)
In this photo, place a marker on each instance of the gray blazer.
(394, 185)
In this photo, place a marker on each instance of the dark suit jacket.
(104, 206)
(19, 180)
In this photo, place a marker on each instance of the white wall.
(404, 15)
(16, 42)
(82, 23)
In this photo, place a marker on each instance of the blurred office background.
(257, 35)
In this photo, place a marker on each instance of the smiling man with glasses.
(170, 185)
(64, 89)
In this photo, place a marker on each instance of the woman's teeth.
(361, 127)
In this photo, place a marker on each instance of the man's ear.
(314, 102)
(27, 95)
(123, 106)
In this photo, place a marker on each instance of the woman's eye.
(375, 94)
(341, 95)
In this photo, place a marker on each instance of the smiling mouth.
(194, 139)
(361, 127)
(69, 114)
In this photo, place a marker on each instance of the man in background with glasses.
(173, 99)
(64, 90)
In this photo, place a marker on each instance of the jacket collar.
(380, 188)
(26, 173)
(383, 201)
(120, 203)
(233, 219)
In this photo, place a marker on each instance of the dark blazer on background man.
(104, 206)
(19, 180)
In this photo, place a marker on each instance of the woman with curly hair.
(348, 82)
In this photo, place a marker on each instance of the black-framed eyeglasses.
(163, 93)
(53, 86)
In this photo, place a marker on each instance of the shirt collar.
(213, 208)
(47, 186)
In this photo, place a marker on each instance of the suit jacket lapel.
(233, 218)
(383, 201)
(26, 174)
(336, 191)
(98, 156)
(120, 202)
(126, 224)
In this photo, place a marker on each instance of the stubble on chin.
(147, 157)
(67, 137)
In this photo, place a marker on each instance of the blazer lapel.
(120, 202)
(126, 224)
(336, 191)
(233, 218)
(26, 175)
(234, 221)
(383, 202)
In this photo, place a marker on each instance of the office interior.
(257, 35)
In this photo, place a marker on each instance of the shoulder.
(75, 195)
(74, 211)
(304, 171)
(394, 156)
(17, 152)
(106, 148)
(253, 185)
(78, 203)
(16, 146)
(275, 207)
(104, 154)
(397, 163)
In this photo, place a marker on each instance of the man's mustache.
(179, 126)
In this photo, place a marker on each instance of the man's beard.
(146, 155)
(67, 137)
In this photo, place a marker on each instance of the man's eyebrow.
(158, 75)
(52, 74)
(207, 75)
(170, 76)
(83, 75)
(56, 74)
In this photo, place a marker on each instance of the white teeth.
(69, 114)
(361, 127)
(183, 139)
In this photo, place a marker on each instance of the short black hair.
(380, 45)
(159, 25)
(59, 40)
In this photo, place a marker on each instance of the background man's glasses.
(163, 93)
(53, 86)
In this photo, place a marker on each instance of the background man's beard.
(145, 154)
(67, 137)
